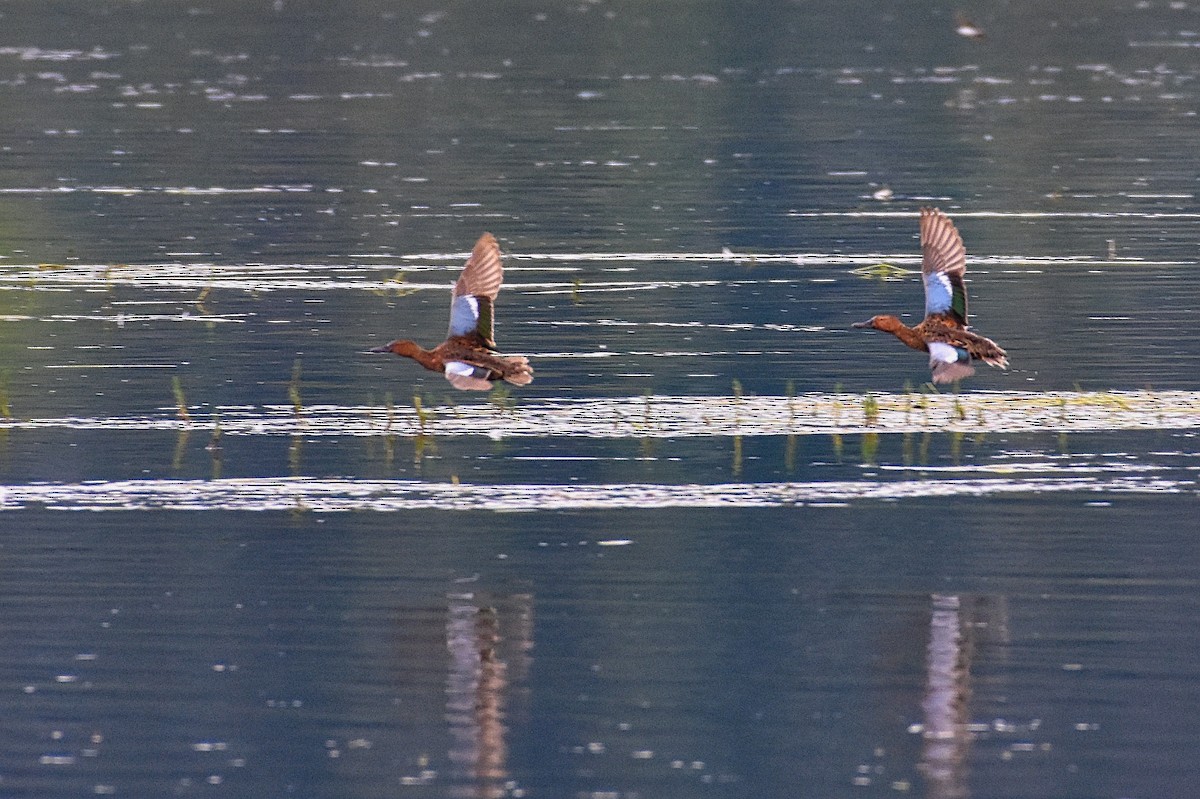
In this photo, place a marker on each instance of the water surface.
(724, 545)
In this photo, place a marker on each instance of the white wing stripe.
(460, 368)
(940, 352)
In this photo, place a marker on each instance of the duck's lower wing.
(468, 377)
(949, 363)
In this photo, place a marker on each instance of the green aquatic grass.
(736, 388)
(424, 416)
(502, 399)
(883, 271)
(868, 447)
(5, 403)
(396, 286)
(295, 453)
(181, 406)
(201, 298)
(294, 390)
(177, 456)
(214, 441)
(870, 409)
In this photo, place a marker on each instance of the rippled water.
(724, 545)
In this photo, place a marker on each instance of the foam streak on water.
(340, 495)
(958, 214)
(653, 416)
(373, 273)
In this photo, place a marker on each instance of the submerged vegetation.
(884, 271)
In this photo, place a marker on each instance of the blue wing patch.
(464, 315)
(939, 293)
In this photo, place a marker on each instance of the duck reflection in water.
(957, 625)
(943, 333)
(477, 687)
(468, 356)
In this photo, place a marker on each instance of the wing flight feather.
(943, 266)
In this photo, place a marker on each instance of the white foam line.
(345, 495)
(354, 277)
(777, 327)
(135, 190)
(1043, 467)
(959, 214)
(111, 366)
(749, 259)
(684, 416)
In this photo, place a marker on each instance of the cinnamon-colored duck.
(943, 333)
(468, 356)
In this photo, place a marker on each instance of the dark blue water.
(235, 561)
(768, 652)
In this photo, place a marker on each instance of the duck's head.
(399, 347)
(884, 322)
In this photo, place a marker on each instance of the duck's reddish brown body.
(943, 333)
(468, 357)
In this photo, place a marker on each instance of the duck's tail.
(993, 355)
(988, 351)
(1000, 360)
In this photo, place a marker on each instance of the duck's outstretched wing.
(943, 265)
(471, 302)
